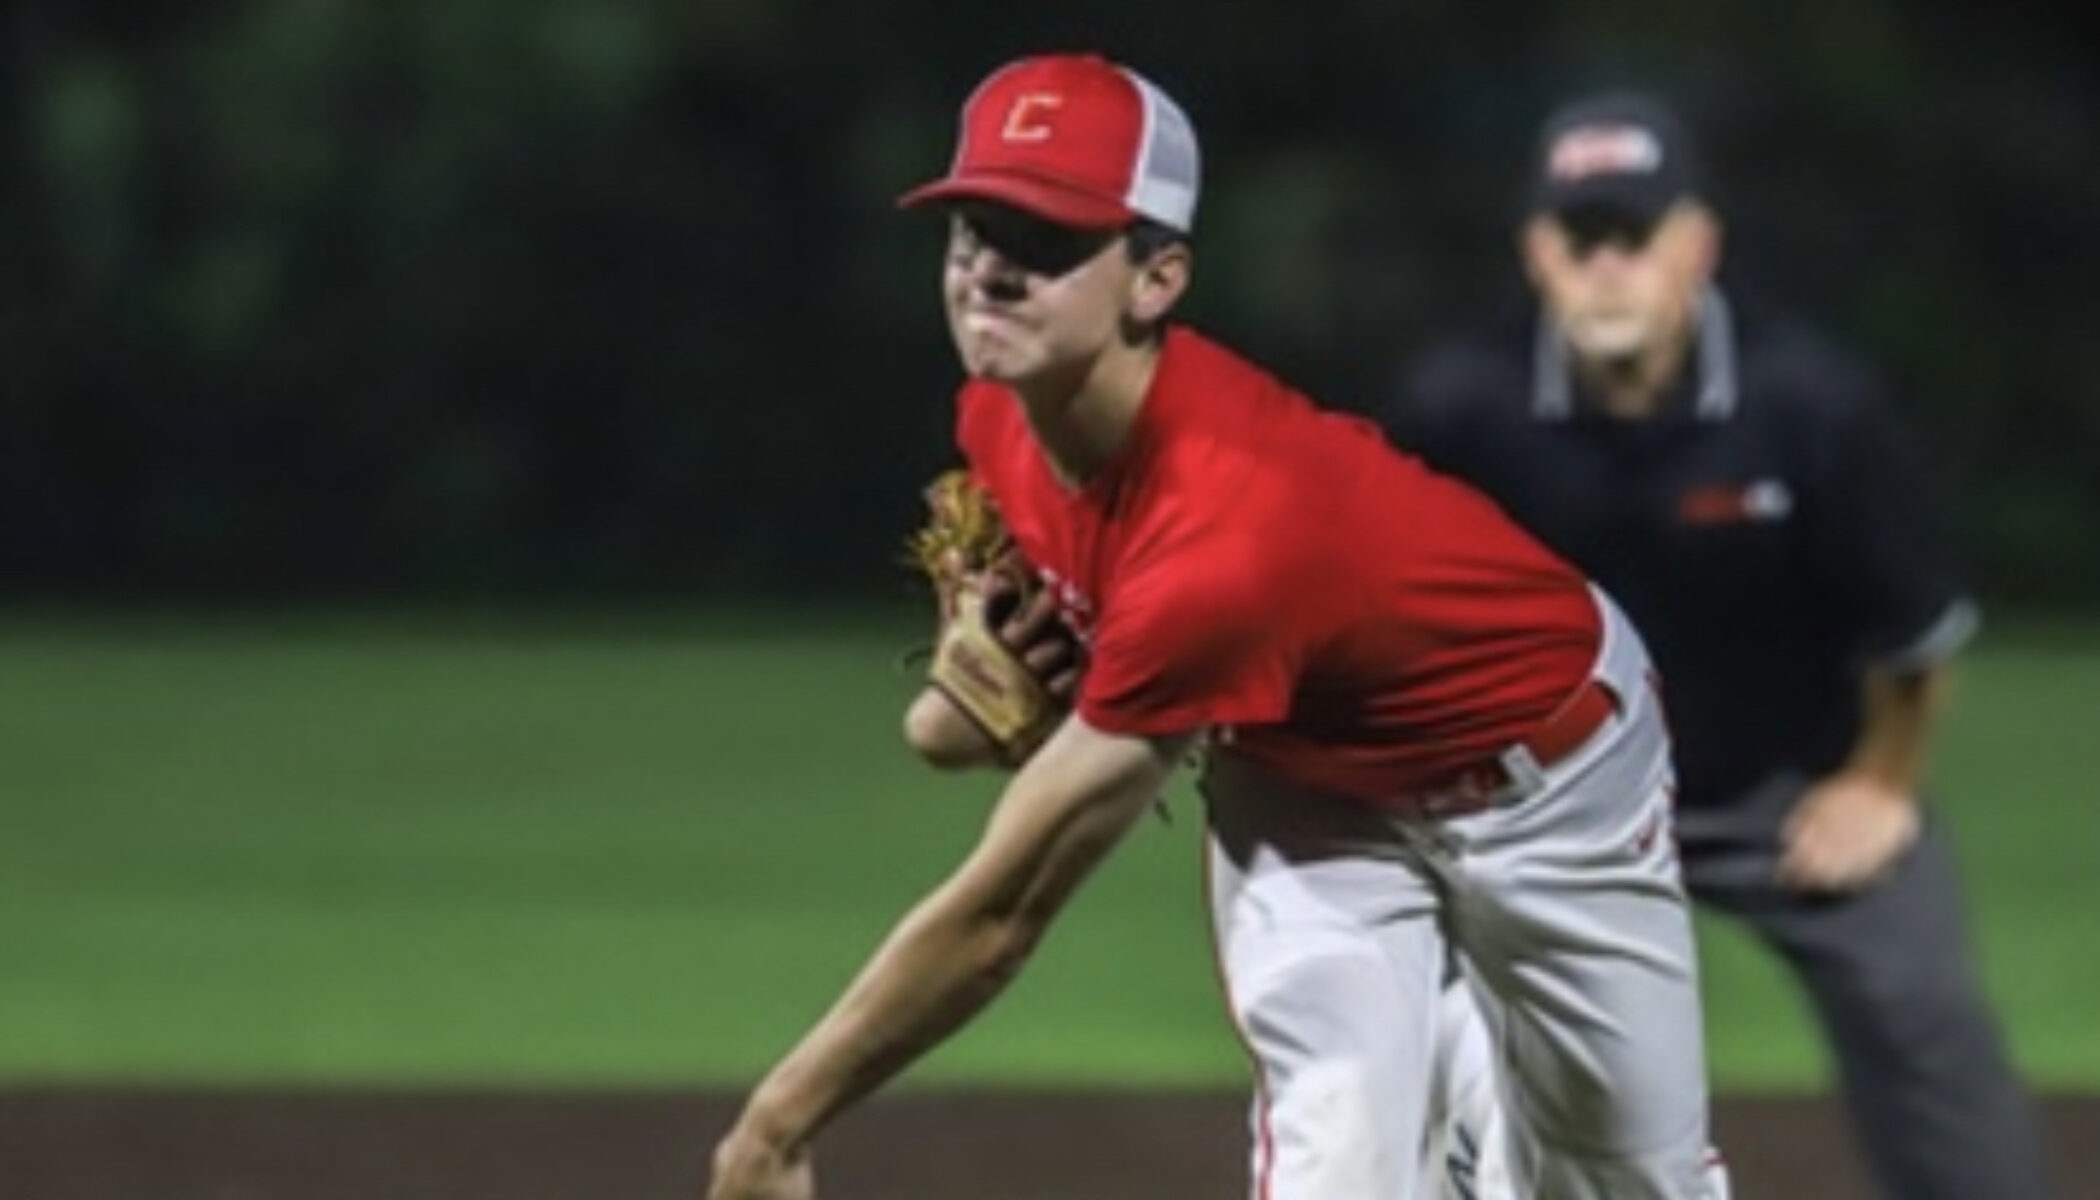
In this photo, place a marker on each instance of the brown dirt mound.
(145, 1145)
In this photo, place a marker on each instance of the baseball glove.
(1001, 655)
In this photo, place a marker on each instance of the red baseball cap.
(1075, 139)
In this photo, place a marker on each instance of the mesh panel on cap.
(1163, 184)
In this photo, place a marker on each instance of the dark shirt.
(1770, 531)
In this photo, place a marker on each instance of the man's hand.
(1846, 833)
(1002, 653)
(1035, 630)
(1036, 636)
(749, 1168)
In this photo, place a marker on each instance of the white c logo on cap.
(1024, 122)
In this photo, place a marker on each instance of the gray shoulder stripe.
(1552, 392)
(1551, 398)
(1942, 639)
(1717, 385)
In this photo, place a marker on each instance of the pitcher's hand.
(747, 1168)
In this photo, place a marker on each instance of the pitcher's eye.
(963, 244)
(1589, 231)
(1036, 246)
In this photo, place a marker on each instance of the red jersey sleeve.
(970, 431)
(1184, 647)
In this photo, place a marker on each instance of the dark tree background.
(545, 298)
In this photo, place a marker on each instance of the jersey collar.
(1553, 391)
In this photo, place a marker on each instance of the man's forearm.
(960, 946)
(944, 962)
(1900, 715)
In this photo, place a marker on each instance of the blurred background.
(542, 298)
(454, 454)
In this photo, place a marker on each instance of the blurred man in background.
(1748, 495)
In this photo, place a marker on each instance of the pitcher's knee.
(1932, 1022)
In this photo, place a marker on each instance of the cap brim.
(1640, 201)
(1044, 198)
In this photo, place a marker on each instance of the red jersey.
(1283, 576)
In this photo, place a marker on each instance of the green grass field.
(348, 850)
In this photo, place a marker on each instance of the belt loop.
(1526, 777)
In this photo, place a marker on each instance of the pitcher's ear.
(1159, 282)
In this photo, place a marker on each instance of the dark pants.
(1892, 977)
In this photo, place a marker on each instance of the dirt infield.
(99, 1145)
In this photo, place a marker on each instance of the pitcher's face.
(1025, 296)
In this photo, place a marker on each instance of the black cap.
(1621, 153)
